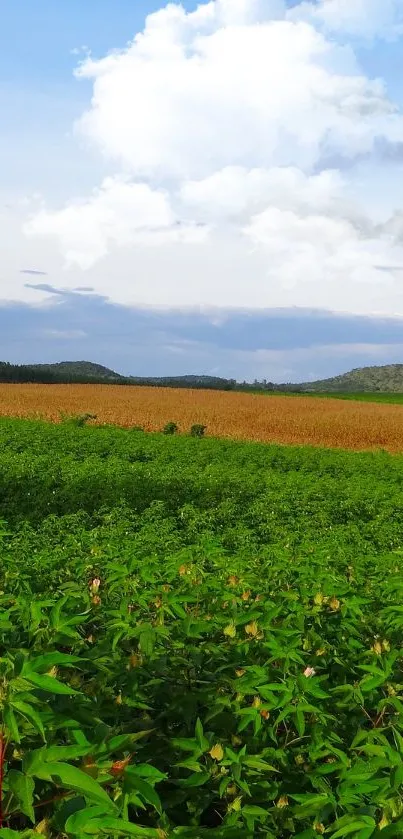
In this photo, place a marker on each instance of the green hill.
(381, 380)
(79, 369)
(386, 379)
(88, 372)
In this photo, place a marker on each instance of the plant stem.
(2, 752)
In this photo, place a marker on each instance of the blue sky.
(172, 180)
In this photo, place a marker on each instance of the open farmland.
(280, 419)
(199, 639)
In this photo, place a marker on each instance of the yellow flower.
(217, 752)
(386, 646)
(135, 661)
(318, 599)
(246, 595)
(282, 802)
(319, 827)
(236, 804)
(252, 629)
(230, 630)
(377, 648)
(320, 651)
(256, 702)
(334, 604)
(42, 828)
(240, 672)
(383, 822)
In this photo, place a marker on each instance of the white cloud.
(306, 249)
(119, 213)
(220, 123)
(235, 193)
(182, 103)
(362, 18)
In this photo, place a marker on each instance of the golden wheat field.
(280, 419)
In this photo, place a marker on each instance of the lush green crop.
(198, 638)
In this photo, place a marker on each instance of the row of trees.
(52, 374)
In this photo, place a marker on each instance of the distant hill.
(88, 372)
(386, 379)
(208, 382)
(79, 369)
(62, 372)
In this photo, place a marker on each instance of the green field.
(392, 398)
(199, 637)
(355, 396)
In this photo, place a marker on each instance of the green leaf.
(390, 832)
(147, 641)
(70, 777)
(11, 723)
(145, 770)
(300, 722)
(77, 821)
(145, 790)
(63, 753)
(186, 744)
(254, 810)
(49, 684)
(113, 827)
(354, 826)
(199, 733)
(43, 663)
(22, 788)
(258, 763)
(26, 710)
(369, 683)
(197, 779)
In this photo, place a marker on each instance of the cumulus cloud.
(363, 18)
(117, 214)
(219, 123)
(235, 193)
(181, 102)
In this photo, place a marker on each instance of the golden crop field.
(280, 419)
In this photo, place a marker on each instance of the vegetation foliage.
(198, 637)
(378, 381)
(276, 418)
